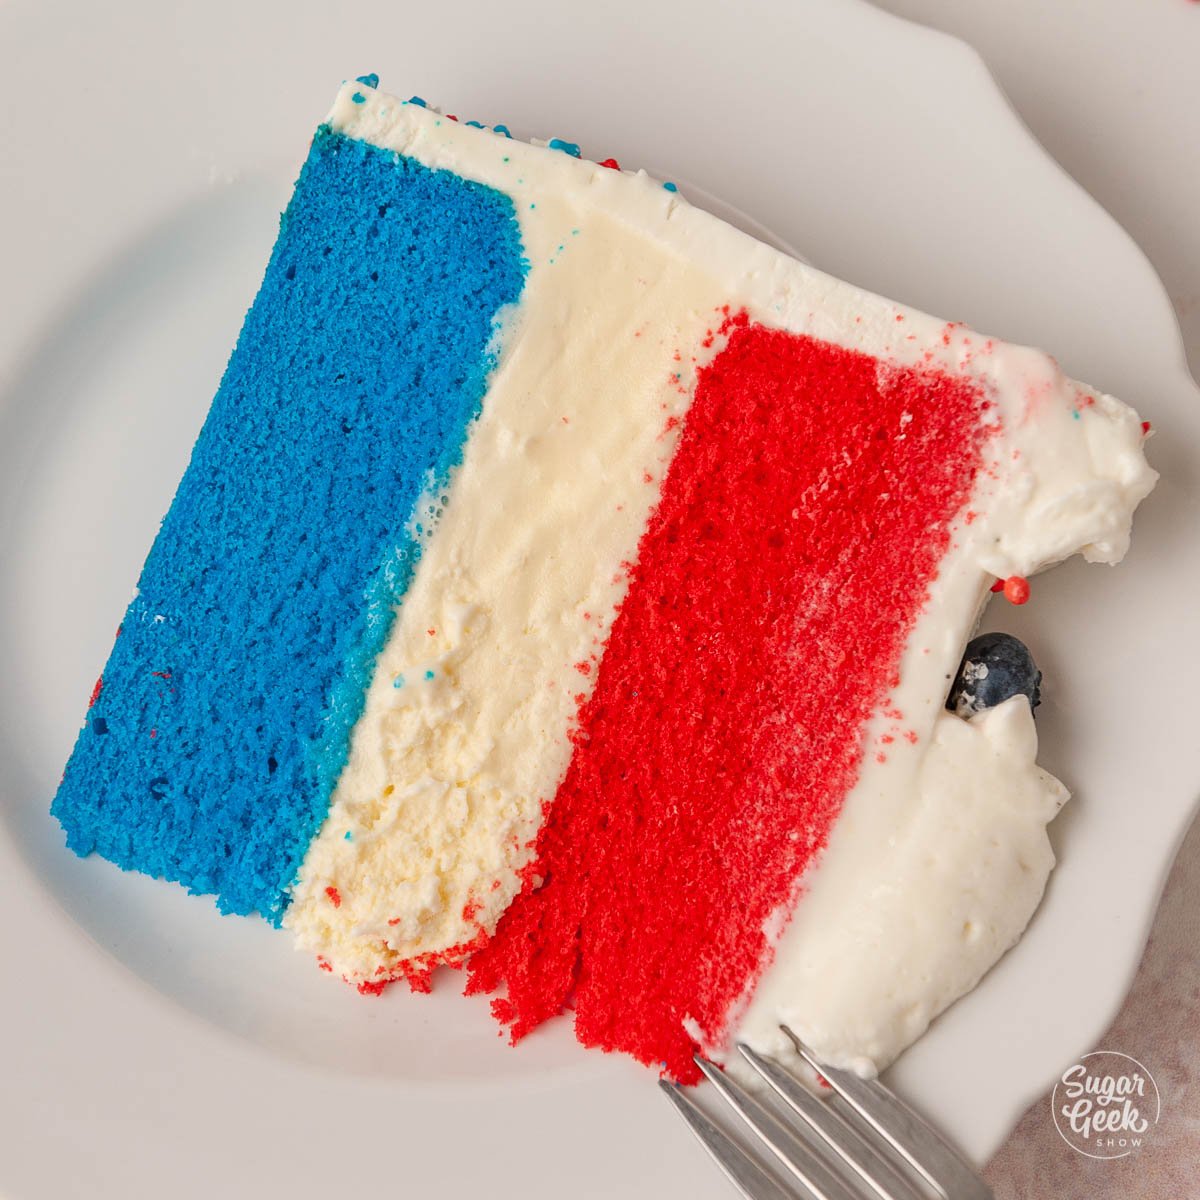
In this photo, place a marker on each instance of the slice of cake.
(566, 581)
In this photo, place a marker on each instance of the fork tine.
(907, 1133)
(841, 1137)
(741, 1170)
(791, 1151)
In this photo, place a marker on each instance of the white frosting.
(963, 871)
(940, 853)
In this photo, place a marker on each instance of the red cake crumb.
(418, 972)
(96, 690)
(776, 582)
(335, 897)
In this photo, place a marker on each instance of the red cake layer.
(801, 523)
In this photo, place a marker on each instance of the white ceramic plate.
(149, 1047)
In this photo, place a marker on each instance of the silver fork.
(864, 1144)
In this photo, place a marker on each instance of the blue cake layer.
(224, 715)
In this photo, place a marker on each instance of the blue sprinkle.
(501, 129)
(348, 836)
(475, 124)
(417, 101)
(670, 187)
(398, 682)
(99, 725)
(566, 147)
(428, 674)
(359, 98)
(371, 80)
(1075, 413)
(531, 205)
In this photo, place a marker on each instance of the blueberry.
(995, 667)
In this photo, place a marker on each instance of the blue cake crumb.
(224, 714)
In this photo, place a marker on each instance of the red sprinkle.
(335, 897)
(611, 164)
(97, 689)
(1145, 428)
(1016, 589)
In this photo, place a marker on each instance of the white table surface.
(1112, 89)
